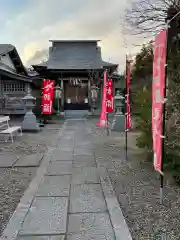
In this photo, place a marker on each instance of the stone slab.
(47, 216)
(83, 153)
(85, 236)
(83, 158)
(90, 224)
(62, 156)
(84, 143)
(67, 135)
(65, 148)
(29, 161)
(41, 237)
(59, 168)
(15, 223)
(84, 163)
(85, 175)
(87, 198)
(7, 160)
(118, 221)
(66, 142)
(57, 186)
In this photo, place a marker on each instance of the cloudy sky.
(30, 24)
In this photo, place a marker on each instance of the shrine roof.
(74, 54)
(108, 64)
(75, 41)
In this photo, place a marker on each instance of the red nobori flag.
(158, 86)
(109, 96)
(47, 96)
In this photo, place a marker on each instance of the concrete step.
(76, 114)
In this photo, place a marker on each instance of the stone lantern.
(29, 122)
(119, 102)
(118, 123)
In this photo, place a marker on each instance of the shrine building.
(14, 81)
(77, 67)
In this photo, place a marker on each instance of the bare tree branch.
(147, 16)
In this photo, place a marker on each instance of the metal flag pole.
(164, 126)
(107, 124)
(126, 92)
(164, 111)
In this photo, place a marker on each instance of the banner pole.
(107, 124)
(164, 124)
(126, 111)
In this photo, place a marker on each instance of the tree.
(142, 94)
(141, 74)
(147, 17)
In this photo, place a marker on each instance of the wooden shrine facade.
(77, 67)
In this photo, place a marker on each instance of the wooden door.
(75, 96)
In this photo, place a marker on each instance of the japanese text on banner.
(158, 86)
(47, 96)
(109, 97)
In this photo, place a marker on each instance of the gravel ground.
(137, 189)
(14, 181)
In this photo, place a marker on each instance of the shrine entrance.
(76, 95)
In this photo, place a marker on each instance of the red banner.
(158, 86)
(103, 116)
(47, 96)
(128, 109)
(109, 96)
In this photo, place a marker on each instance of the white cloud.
(67, 19)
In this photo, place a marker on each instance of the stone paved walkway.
(71, 197)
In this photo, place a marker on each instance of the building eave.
(108, 64)
(15, 76)
(13, 54)
(74, 41)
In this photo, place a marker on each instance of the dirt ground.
(15, 180)
(137, 188)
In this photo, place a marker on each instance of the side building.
(14, 81)
(77, 67)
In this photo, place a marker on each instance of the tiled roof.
(5, 48)
(74, 55)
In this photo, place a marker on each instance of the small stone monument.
(29, 122)
(118, 123)
(58, 97)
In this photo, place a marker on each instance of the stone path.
(71, 197)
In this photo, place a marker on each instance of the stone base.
(90, 113)
(30, 123)
(118, 123)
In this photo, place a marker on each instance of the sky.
(30, 24)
